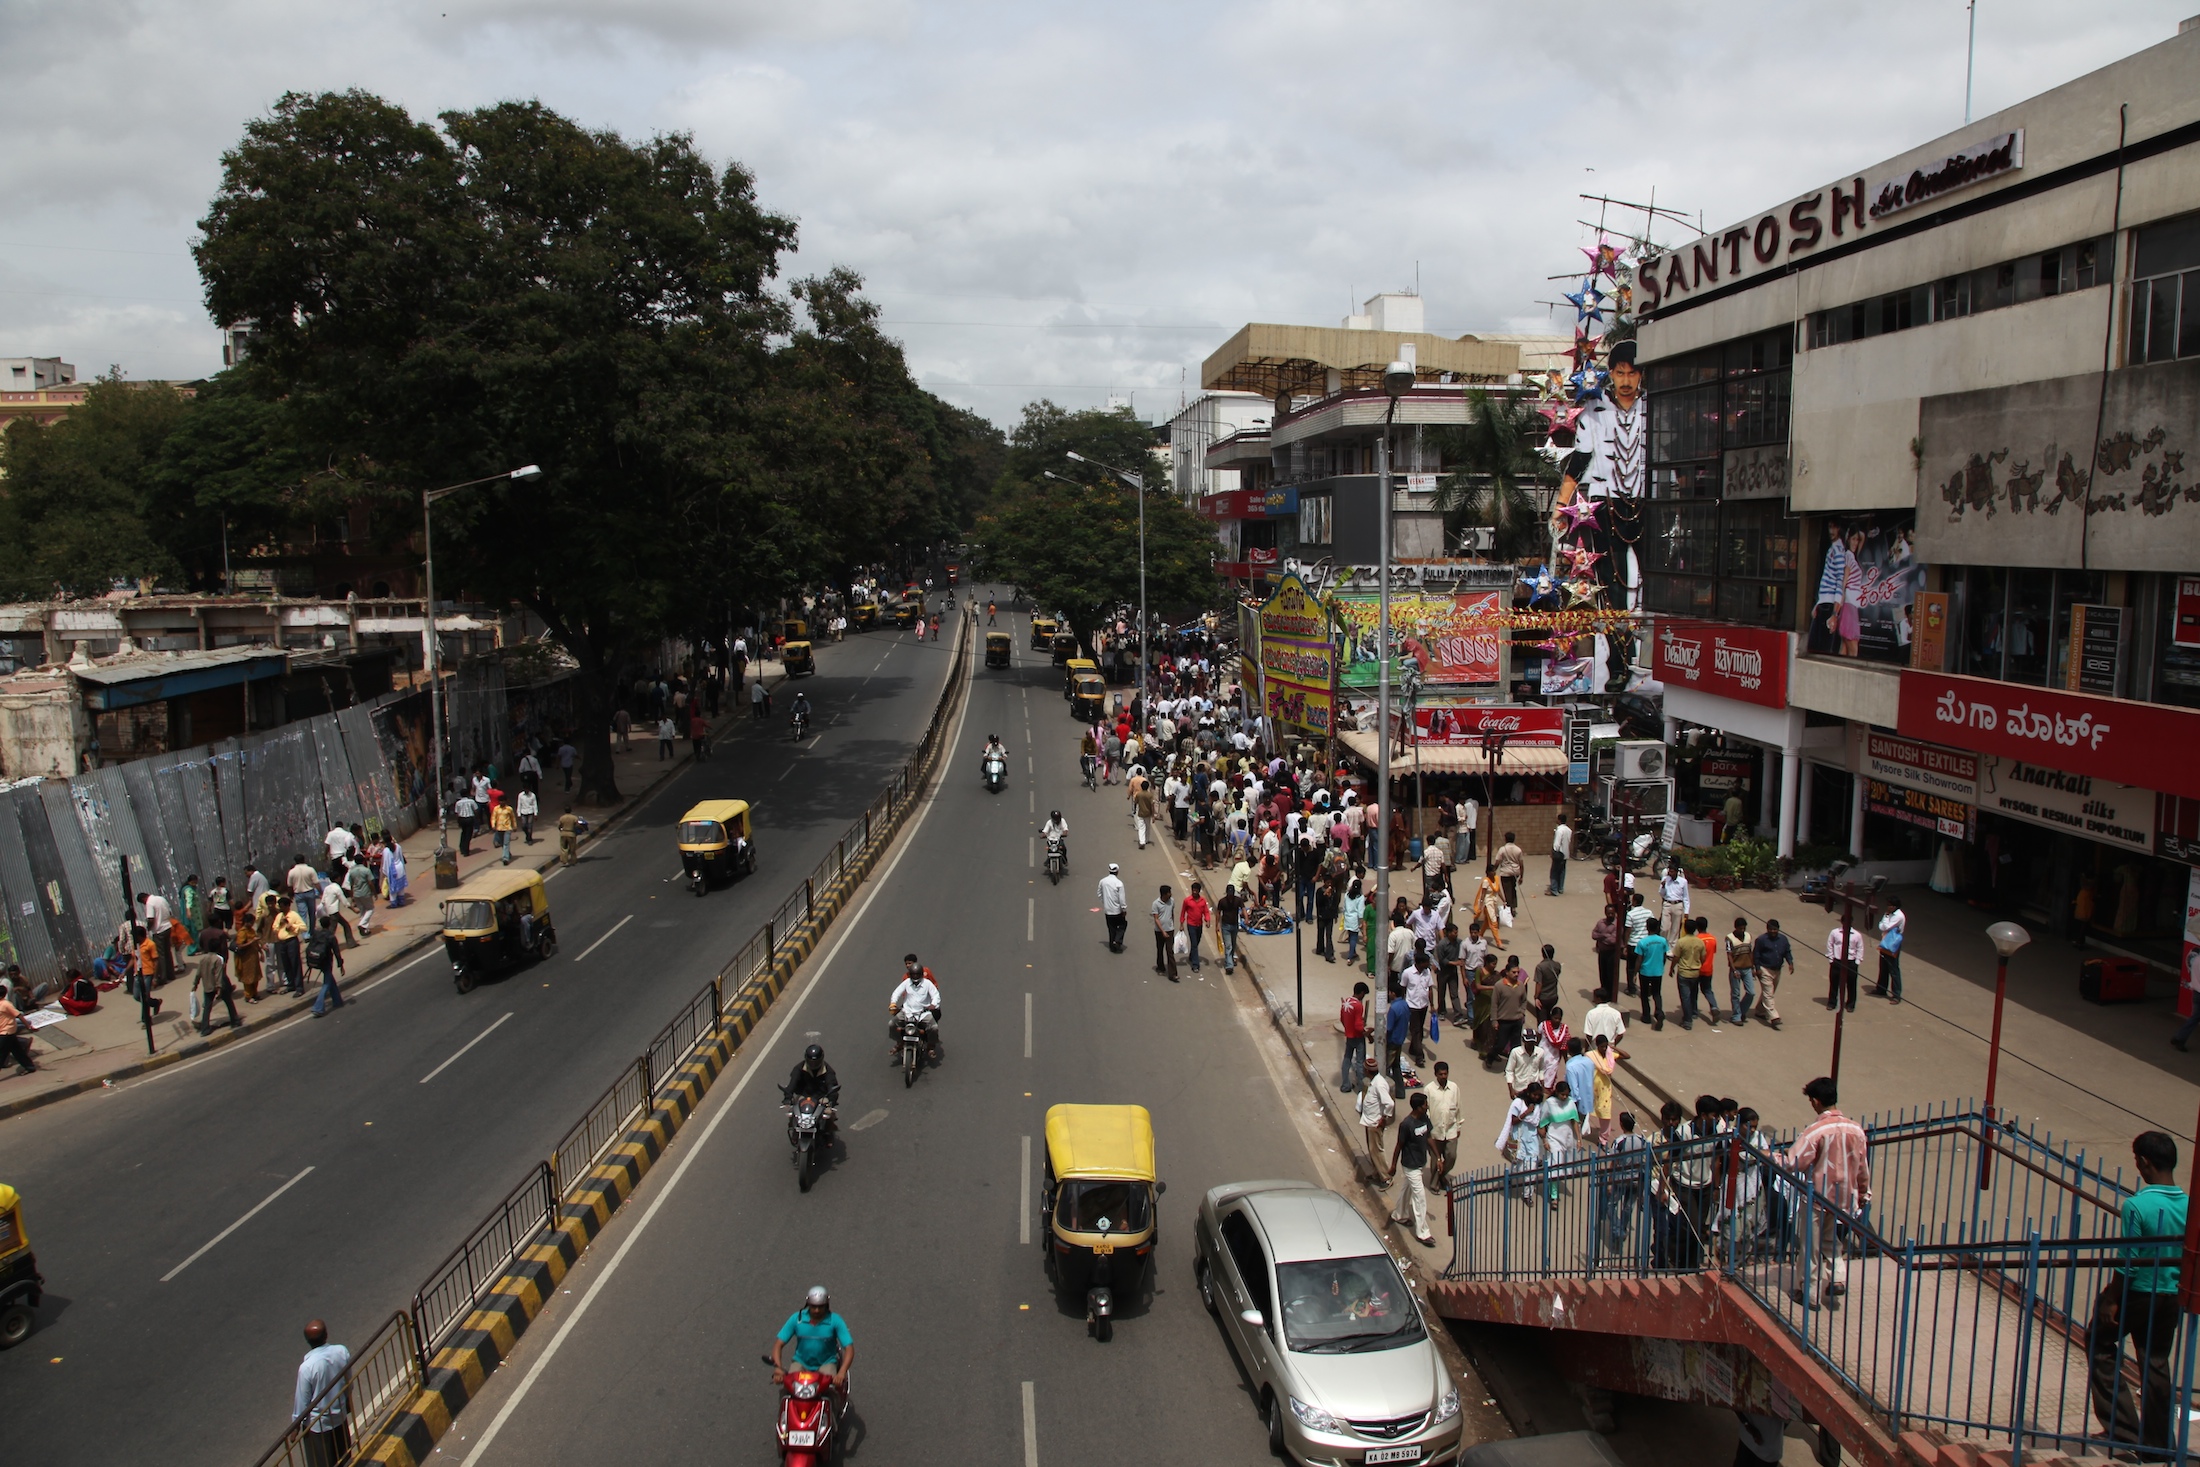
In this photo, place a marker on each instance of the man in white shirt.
(340, 843)
(1604, 1020)
(1638, 926)
(1376, 1108)
(1469, 813)
(1420, 984)
(1844, 951)
(1672, 903)
(1444, 1120)
(1399, 946)
(1562, 850)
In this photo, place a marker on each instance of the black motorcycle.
(799, 723)
(1057, 858)
(809, 1127)
(911, 1037)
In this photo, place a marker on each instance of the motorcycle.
(809, 1119)
(800, 723)
(996, 772)
(807, 1418)
(910, 1035)
(1057, 858)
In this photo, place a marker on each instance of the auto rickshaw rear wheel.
(15, 1325)
(464, 978)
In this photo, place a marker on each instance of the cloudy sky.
(1073, 201)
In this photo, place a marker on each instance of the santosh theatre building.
(1923, 550)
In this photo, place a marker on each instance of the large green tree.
(1498, 481)
(1073, 547)
(77, 502)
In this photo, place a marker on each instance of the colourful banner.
(1455, 639)
(1298, 661)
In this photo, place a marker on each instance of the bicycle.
(1092, 771)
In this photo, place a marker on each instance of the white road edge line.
(599, 942)
(1023, 1193)
(649, 1214)
(1027, 1026)
(469, 1044)
(1031, 917)
(1031, 850)
(1031, 1428)
(240, 1222)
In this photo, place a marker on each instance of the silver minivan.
(1323, 1322)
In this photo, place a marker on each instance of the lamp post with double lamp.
(1397, 382)
(1138, 483)
(1838, 973)
(428, 497)
(2007, 937)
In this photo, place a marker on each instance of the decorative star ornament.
(1588, 302)
(1559, 414)
(1556, 452)
(1587, 383)
(1603, 258)
(1583, 511)
(1583, 592)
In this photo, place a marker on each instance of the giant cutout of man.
(1610, 466)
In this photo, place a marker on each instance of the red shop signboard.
(1457, 723)
(1747, 664)
(2143, 744)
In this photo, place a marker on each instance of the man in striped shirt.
(1833, 1153)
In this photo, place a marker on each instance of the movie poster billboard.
(1869, 579)
(1298, 662)
(1578, 672)
(1439, 632)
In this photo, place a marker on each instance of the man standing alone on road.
(321, 1411)
(1844, 952)
(1376, 1108)
(1115, 906)
(1833, 1153)
(1771, 953)
(1164, 935)
(1892, 929)
(1409, 1156)
(1143, 806)
(2141, 1301)
(1512, 864)
(1562, 850)
(1444, 1118)
(1672, 903)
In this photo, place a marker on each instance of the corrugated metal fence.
(208, 811)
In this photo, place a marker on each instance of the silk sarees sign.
(1298, 661)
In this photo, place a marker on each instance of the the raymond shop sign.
(1747, 664)
(2111, 739)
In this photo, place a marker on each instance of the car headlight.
(1314, 1418)
(1448, 1407)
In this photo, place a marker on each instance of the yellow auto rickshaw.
(501, 921)
(716, 843)
(905, 614)
(1074, 668)
(796, 659)
(866, 615)
(1065, 647)
(1099, 1205)
(794, 629)
(1088, 697)
(996, 649)
(1042, 633)
(21, 1288)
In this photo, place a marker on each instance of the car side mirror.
(1253, 1318)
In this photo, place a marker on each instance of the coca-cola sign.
(2115, 739)
(1460, 722)
(1747, 664)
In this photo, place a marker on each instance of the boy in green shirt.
(2141, 1301)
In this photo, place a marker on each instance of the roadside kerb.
(581, 1185)
(260, 1024)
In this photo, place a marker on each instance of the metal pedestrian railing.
(1985, 1291)
(393, 1364)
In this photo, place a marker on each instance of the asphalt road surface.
(925, 1227)
(189, 1223)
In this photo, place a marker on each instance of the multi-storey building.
(1925, 532)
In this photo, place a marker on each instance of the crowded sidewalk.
(88, 1051)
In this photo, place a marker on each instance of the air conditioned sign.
(1997, 155)
(1747, 664)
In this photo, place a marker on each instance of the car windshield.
(701, 833)
(467, 916)
(1082, 1204)
(1344, 1306)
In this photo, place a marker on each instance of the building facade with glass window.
(1938, 423)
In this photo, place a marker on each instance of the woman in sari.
(247, 953)
(1488, 897)
(393, 874)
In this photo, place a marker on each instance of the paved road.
(925, 1229)
(149, 1346)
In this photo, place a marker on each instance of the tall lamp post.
(428, 497)
(1839, 966)
(1137, 482)
(2007, 937)
(1397, 381)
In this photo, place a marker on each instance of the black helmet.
(814, 1055)
(1054, 815)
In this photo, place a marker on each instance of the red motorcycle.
(808, 1418)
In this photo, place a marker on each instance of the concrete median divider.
(411, 1380)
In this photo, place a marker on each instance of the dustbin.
(446, 866)
(2112, 980)
(1413, 849)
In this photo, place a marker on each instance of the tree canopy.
(1496, 475)
(1074, 547)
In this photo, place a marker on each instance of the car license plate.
(1102, 1250)
(804, 1439)
(1392, 1454)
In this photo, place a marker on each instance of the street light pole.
(1841, 965)
(1397, 381)
(2007, 937)
(428, 497)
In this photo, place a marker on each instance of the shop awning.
(1456, 758)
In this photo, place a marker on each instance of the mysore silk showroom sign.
(1298, 662)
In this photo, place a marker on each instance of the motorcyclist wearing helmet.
(800, 708)
(1057, 828)
(916, 995)
(814, 1078)
(820, 1338)
(994, 749)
